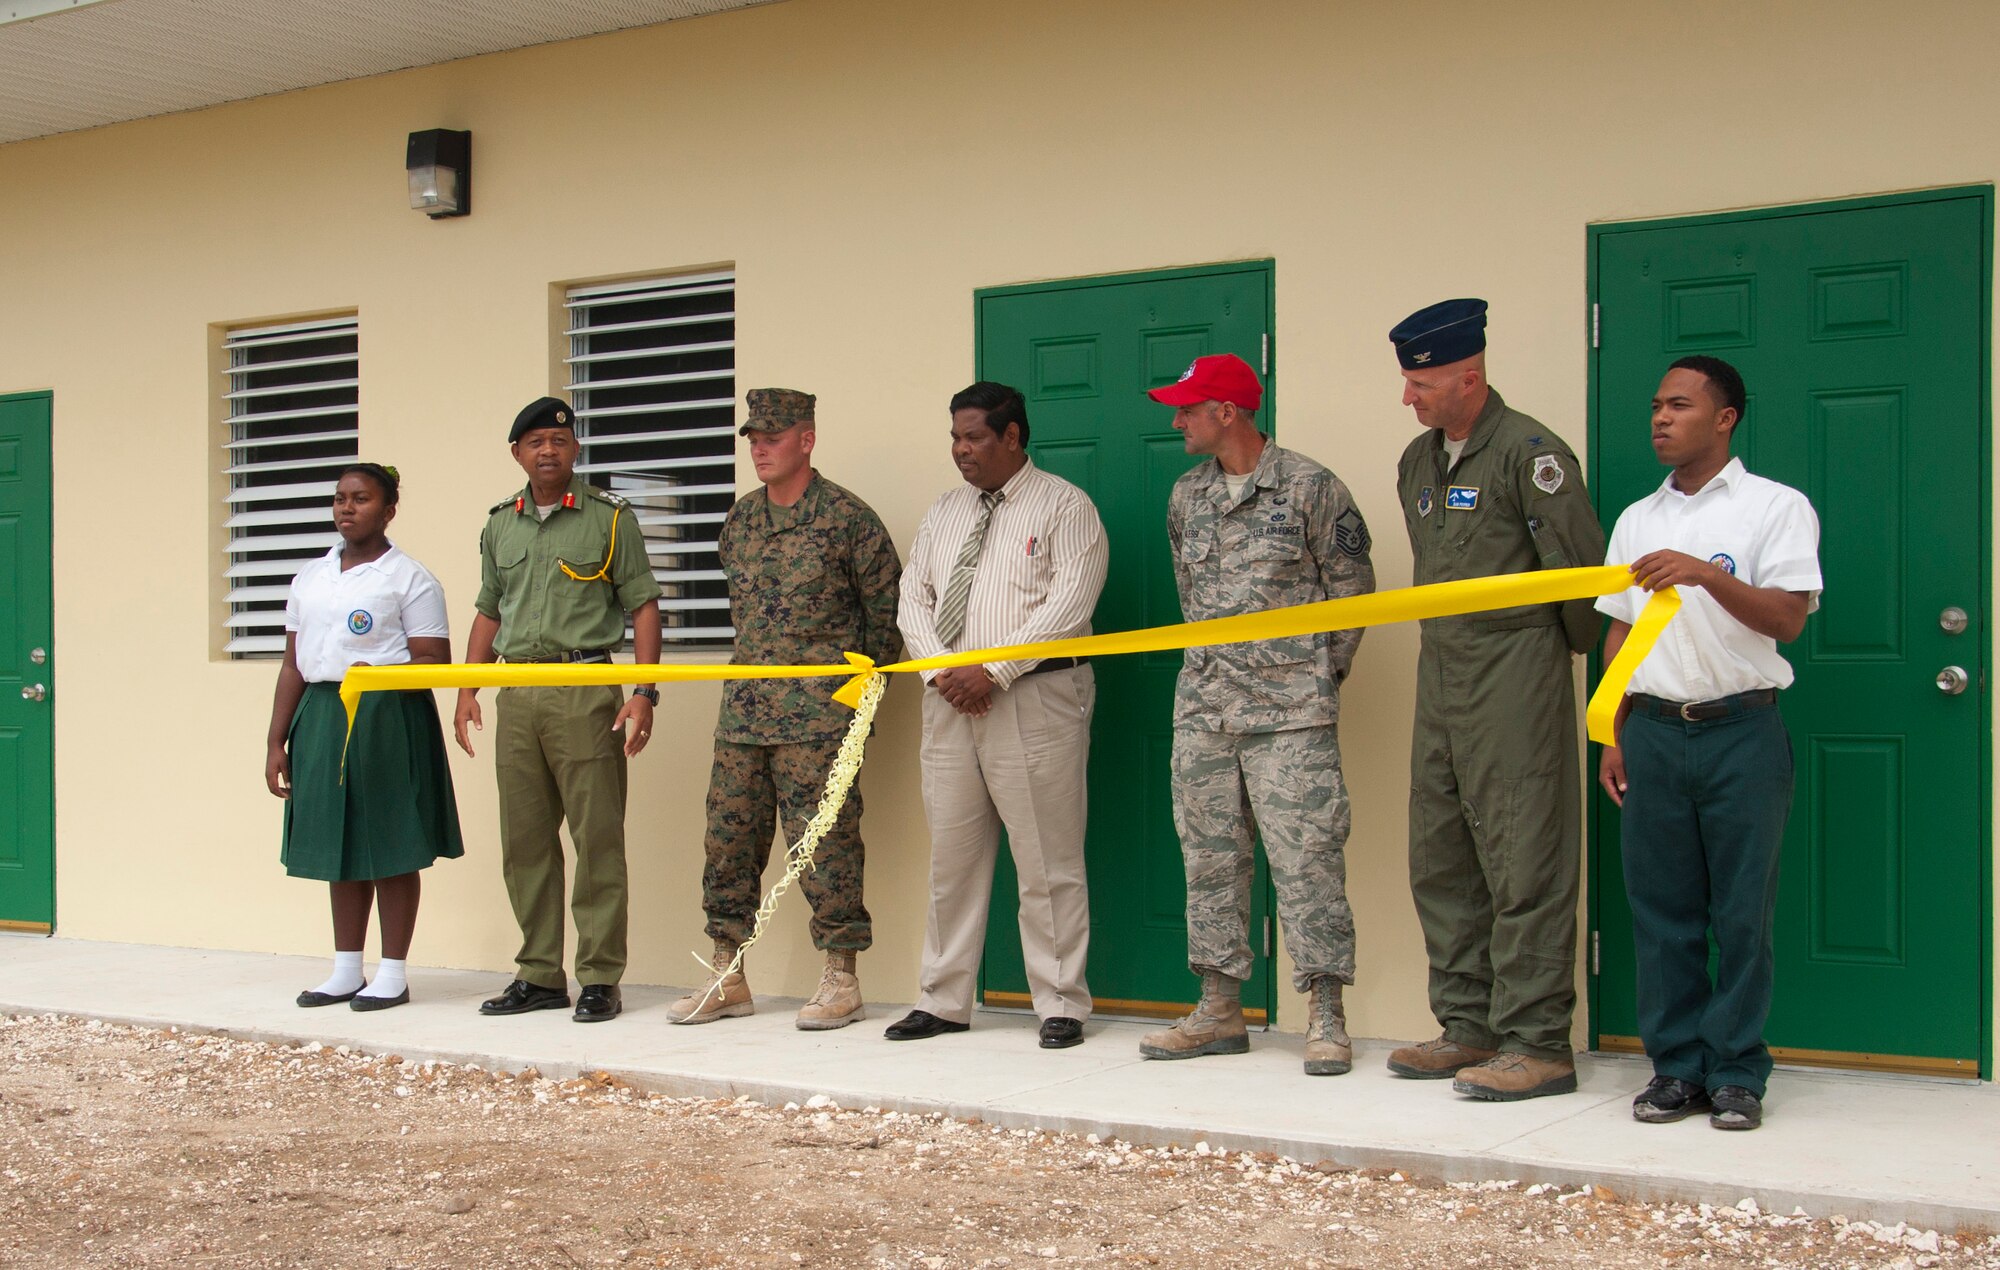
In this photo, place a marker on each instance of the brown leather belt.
(580, 656)
(1702, 711)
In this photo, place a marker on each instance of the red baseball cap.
(1217, 377)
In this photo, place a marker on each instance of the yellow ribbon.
(1439, 599)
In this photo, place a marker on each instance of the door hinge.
(1594, 317)
(1264, 356)
(1270, 938)
(1596, 954)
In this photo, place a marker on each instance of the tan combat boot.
(1215, 1027)
(1329, 1052)
(1438, 1059)
(725, 998)
(1511, 1077)
(837, 1002)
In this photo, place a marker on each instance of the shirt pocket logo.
(361, 621)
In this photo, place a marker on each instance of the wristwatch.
(649, 692)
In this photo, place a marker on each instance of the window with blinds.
(293, 423)
(653, 380)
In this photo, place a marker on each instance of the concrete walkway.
(1882, 1148)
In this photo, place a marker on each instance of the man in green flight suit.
(1494, 794)
(561, 563)
(812, 575)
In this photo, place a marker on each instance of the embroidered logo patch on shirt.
(1725, 562)
(1548, 475)
(360, 621)
(1461, 498)
(1425, 498)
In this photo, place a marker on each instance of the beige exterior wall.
(865, 165)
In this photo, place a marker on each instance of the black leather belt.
(582, 655)
(1053, 663)
(1702, 711)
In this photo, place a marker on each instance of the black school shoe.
(522, 996)
(313, 1000)
(598, 1003)
(379, 1003)
(1735, 1108)
(1667, 1099)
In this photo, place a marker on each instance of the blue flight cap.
(1446, 332)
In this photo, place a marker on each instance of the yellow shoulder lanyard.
(609, 552)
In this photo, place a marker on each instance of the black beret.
(1446, 332)
(544, 412)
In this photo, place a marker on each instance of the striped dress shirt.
(1039, 573)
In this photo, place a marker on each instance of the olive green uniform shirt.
(544, 611)
(1514, 502)
(1293, 537)
(807, 583)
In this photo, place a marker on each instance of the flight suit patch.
(1461, 498)
(1548, 475)
(1424, 499)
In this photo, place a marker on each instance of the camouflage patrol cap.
(543, 412)
(775, 409)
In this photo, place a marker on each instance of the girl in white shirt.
(368, 834)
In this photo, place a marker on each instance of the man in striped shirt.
(1015, 555)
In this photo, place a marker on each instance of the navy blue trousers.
(1705, 810)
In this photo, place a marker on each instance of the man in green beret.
(812, 575)
(1494, 798)
(561, 565)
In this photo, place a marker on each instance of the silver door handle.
(35, 692)
(1952, 680)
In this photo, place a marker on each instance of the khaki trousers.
(1020, 765)
(558, 760)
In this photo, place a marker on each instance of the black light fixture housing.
(440, 168)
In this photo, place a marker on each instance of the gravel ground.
(132, 1147)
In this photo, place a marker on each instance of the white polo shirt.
(367, 613)
(1764, 533)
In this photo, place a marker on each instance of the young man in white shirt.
(1703, 768)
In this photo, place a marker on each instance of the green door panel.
(1084, 352)
(27, 728)
(1861, 333)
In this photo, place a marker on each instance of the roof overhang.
(71, 64)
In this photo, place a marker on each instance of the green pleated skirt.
(395, 812)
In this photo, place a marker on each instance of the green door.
(1861, 331)
(1084, 352)
(27, 730)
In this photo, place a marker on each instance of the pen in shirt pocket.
(1032, 541)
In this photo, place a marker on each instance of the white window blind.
(652, 370)
(293, 423)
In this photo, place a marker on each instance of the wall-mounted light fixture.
(440, 166)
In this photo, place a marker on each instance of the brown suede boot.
(726, 997)
(1508, 1077)
(1329, 1052)
(1437, 1059)
(1215, 1027)
(837, 1001)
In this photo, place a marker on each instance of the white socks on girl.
(346, 975)
(391, 978)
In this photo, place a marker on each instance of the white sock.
(391, 979)
(346, 975)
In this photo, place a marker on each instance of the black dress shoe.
(598, 1003)
(920, 1025)
(313, 1000)
(1735, 1108)
(379, 1003)
(522, 996)
(1061, 1033)
(1667, 1099)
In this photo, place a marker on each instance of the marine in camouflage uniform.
(807, 583)
(1256, 741)
(1495, 836)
